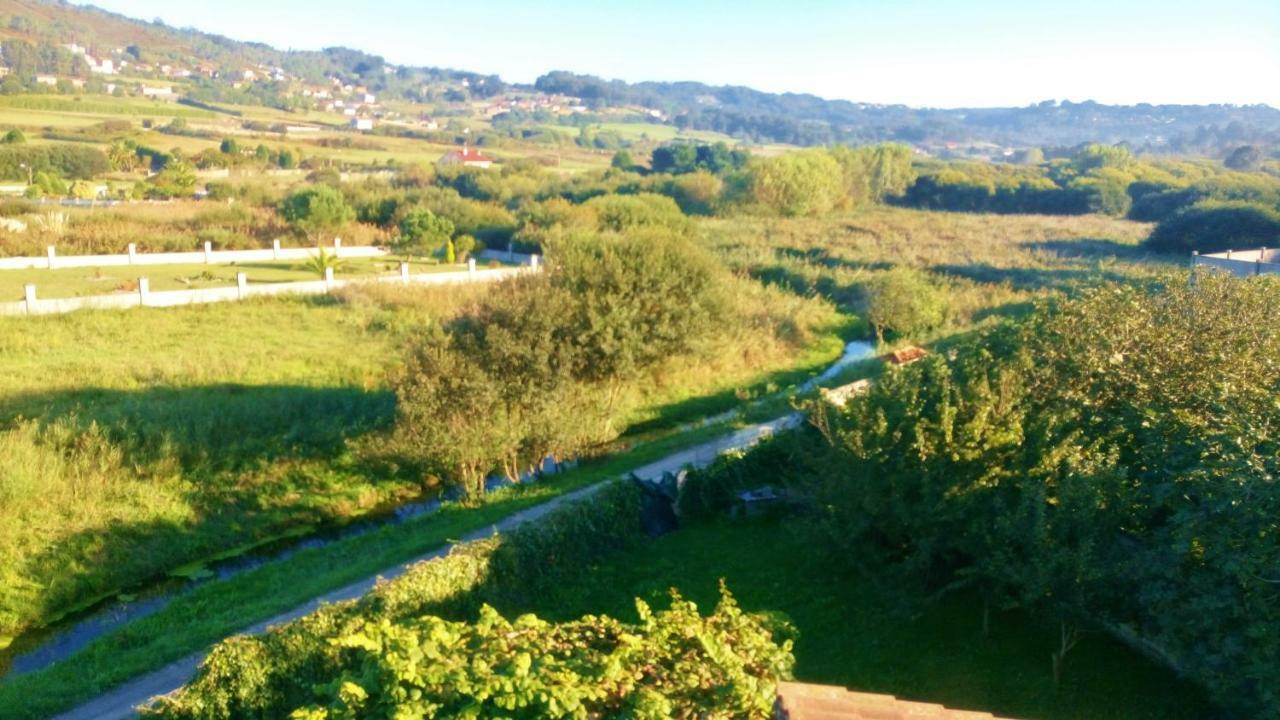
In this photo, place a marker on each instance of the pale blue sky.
(918, 52)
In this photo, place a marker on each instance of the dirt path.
(120, 702)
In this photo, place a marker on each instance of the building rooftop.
(801, 701)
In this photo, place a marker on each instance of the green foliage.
(392, 650)
(905, 302)
(317, 211)
(538, 368)
(799, 183)
(1213, 226)
(674, 663)
(1245, 157)
(1109, 462)
(77, 162)
(229, 146)
(178, 179)
(622, 213)
(423, 231)
(14, 137)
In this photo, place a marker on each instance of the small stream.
(41, 647)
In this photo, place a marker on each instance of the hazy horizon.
(918, 53)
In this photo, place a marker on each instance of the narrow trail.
(120, 703)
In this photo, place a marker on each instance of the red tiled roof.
(468, 154)
(906, 355)
(801, 701)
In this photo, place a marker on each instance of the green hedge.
(336, 660)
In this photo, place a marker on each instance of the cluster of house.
(556, 104)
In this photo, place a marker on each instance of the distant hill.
(807, 119)
(741, 112)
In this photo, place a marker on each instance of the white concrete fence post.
(144, 291)
(471, 266)
(337, 247)
(242, 285)
(328, 278)
(29, 292)
(275, 249)
(533, 261)
(133, 253)
(53, 255)
(404, 272)
(208, 252)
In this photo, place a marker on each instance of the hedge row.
(407, 646)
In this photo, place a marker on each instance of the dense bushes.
(407, 646)
(1111, 462)
(1213, 226)
(538, 368)
(70, 161)
(904, 301)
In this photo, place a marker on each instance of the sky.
(933, 53)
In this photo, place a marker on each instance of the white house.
(101, 67)
(156, 92)
(362, 124)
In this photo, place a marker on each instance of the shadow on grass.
(1030, 279)
(219, 427)
(1089, 248)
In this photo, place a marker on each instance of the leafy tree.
(423, 231)
(905, 302)
(1213, 226)
(622, 160)
(14, 137)
(229, 146)
(1245, 157)
(800, 183)
(317, 211)
(640, 298)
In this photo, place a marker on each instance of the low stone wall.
(33, 305)
(207, 256)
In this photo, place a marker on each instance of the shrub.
(296, 665)
(1111, 463)
(904, 301)
(1213, 226)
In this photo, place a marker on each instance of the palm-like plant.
(322, 261)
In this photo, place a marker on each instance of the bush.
(1110, 463)
(905, 302)
(318, 660)
(1213, 226)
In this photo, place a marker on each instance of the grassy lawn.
(138, 442)
(76, 282)
(854, 635)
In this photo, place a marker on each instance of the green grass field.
(854, 635)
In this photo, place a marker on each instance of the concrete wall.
(208, 256)
(33, 305)
(1241, 263)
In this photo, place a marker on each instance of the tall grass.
(143, 440)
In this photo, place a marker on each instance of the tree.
(640, 297)
(317, 211)
(423, 231)
(14, 137)
(904, 302)
(799, 183)
(229, 146)
(622, 160)
(1214, 226)
(1245, 158)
